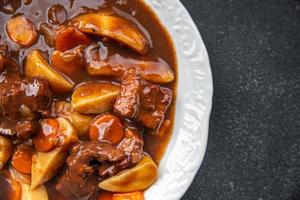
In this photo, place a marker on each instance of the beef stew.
(87, 99)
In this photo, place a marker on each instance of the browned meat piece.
(155, 101)
(3, 59)
(127, 103)
(79, 182)
(33, 93)
(24, 129)
(20, 102)
(132, 145)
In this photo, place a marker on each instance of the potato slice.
(21, 31)
(36, 65)
(95, 97)
(80, 122)
(99, 63)
(138, 178)
(113, 27)
(39, 193)
(45, 165)
(6, 150)
(68, 135)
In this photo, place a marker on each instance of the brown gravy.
(134, 10)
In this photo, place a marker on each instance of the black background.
(254, 140)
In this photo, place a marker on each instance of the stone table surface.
(253, 151)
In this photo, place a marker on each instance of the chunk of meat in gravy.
(3, 59)
(132, 145)
(128, 101)
(33, 93)
(155, 101)
(20, 102)
(79, 181)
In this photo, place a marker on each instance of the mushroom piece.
(113, 27)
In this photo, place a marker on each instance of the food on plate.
(87, 99)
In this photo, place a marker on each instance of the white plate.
(187, 147)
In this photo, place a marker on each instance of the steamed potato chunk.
(113, 27)
(137, 178)
(80, 122)
(36, 65)
(21, 31)
(6, 149)
(45, 166)
(95, 97)
(39, 193)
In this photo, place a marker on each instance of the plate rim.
(174, 15)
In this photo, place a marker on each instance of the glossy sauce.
(161, 47)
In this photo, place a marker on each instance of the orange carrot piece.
(106, 127)
(21, 31)
(69, 62)
(69, 38)
(21, 160)
(129, 196)
(45, 139)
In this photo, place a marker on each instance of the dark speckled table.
(253, 150)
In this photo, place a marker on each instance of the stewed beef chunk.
(155, 101)
(20, 102)
(79, 181)
(32, 93)
(128, 101)
(3, 54)
(132, 145)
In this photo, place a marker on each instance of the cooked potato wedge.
(22, 178)
(137, 178)
(39, 193)
(95, 97)
(6, 150)
(45, 165)
(36, 65)
(68, 135)
(80, 122)
(113, 27)
(98, 63)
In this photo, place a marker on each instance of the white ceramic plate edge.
(187, 146)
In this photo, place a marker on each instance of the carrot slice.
(45, 139)
(69, 38)
(105, 196)
(21, 160)
(21, 31)
(107, 127)
(68, 62)
(129, 196)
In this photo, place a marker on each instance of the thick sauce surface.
(38, 11)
